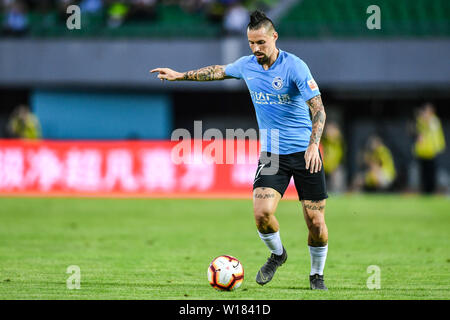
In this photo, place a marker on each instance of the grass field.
(160, 249)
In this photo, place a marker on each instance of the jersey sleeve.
(235, 69)
(305, 82)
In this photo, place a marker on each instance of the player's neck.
(272, 59)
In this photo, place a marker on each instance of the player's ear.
(275, 36)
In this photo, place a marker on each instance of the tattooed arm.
(318, 119)
(209, 73)
(206, 74)
(312, 157)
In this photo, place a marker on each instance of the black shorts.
(310, 186)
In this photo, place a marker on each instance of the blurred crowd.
(232, 14)
(23, 124)
(376, 162)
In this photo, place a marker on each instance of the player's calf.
(318, 234)
(265, 201)
(314, 213)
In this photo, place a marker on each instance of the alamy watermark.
(374, 20)
(221, 150)
(374, 280)
(74, 20)
(74, 280)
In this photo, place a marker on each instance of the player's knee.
(317, 225)
(317, 221)
(262, 217)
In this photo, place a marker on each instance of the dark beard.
(263, 60)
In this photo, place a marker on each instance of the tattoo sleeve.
(318, 119)
(206, 74)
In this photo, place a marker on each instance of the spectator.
(24, 124)
(333, 153)
(16, 20)
(117, 13)
(42, 6)
(236, 19)
(192, 6)
(430, 142)
(215, 11)
(142, 10)
(62, 6)
(91, 6)
(379, 172)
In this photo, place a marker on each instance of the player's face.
(262, 44)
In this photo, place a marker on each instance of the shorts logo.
(277, 83)
(259, 171)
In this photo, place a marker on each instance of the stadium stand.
(343, 18)
(306, 19)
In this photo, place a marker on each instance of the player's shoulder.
(295, 65)
(293, 59)
(245, 59)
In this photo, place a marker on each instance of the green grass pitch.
(160, 249)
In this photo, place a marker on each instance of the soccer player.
(286, 99)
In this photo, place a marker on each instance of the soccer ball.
(225, 273)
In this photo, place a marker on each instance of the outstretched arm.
(312, 157)
(209, 73)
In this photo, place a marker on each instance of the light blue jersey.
(279, 95)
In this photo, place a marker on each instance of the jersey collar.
(275, 62)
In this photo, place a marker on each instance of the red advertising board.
(129, 168)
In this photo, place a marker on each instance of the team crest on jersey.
(277, 83)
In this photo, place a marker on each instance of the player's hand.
(312, 159)
(167, 74)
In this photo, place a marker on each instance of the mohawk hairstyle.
(259, 19)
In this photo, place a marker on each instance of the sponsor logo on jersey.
(312, 84)
(269, 98)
